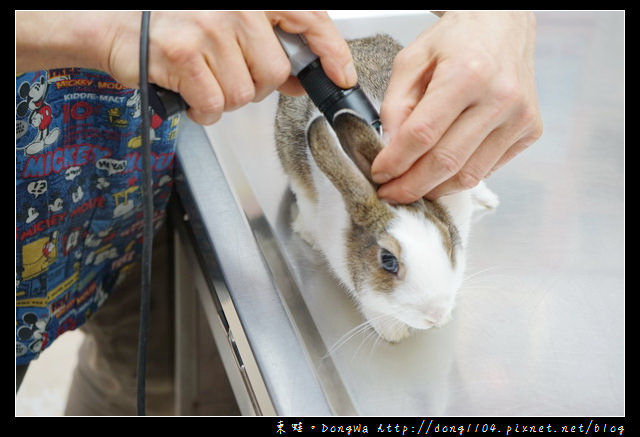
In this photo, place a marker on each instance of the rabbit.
(403, 264)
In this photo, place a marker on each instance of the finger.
(407, 85)
(291, 87)
(324, 40)
(183, 68)
(232, 73)
(479, 165)
(532, 135)
(518, 128)
(267, 62)
(200, 90)
(445, 160)
(442, 104)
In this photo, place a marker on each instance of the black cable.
(147, 207)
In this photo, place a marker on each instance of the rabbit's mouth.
(433, 316)
(395, 330)
(390, 329)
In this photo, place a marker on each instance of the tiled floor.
(46, 384)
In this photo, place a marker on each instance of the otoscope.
(305, 65)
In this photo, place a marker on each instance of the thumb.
(405, 91)
(386, 165)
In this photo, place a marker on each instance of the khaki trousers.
(104, 382)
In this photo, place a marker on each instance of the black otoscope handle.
(326, 96)
(305, 65)
(165, 103)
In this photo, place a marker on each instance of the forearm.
(53, 39)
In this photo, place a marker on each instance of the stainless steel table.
(539, 327)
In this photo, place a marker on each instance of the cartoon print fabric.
(78, 196)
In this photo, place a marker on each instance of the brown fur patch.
(363, 252)
(291, 142)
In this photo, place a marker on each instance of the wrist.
(55, 39)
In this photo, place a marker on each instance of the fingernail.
(350, 74)
(380, 178)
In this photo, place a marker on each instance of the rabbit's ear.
(361, 199)
(359, 140)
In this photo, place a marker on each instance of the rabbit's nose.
(438, 316)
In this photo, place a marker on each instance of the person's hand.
(220, 61)
(217, 60)
(461, 102)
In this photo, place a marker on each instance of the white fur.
(324, 222)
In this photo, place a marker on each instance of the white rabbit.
(403, 264)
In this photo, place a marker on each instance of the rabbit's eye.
(388, 261)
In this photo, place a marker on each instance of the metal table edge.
(216, 219)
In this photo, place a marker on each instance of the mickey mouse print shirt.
(78, 196)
